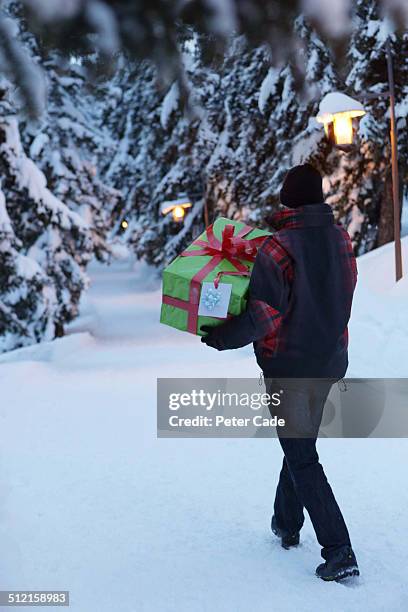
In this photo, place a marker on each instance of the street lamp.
(123, 227)
(338, 112)
(176, 207)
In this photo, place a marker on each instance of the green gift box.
(225, 253)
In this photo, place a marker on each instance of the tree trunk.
(59, 331)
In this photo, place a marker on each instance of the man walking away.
(300, 297)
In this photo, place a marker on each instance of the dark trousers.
(302, 482)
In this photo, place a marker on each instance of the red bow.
(233, 248)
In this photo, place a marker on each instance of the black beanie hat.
(302, 185)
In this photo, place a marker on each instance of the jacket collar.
(311, 215)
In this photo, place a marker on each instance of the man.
(300, 297)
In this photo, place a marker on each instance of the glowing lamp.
(178, 213)
(176, 207)
(338, 113)
(124, 225)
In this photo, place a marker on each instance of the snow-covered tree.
(223, 128)
(68, 141)
(68, 145)
(157, 157)
(132, 115)
(26, 298)
(267, 126)
(240, 165)
(245, 124)
(144, 30)
(188, 136)
(361, 185)
(56, 239)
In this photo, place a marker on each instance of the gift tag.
(214, 302)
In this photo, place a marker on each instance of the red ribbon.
(232, 248)
(228, 273)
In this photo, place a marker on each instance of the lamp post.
(176, 207)
(394, 160)
(340, 114)
(179, 206)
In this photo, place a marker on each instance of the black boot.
(342, 565)
(288, 540)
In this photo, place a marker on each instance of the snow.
(93, 502)
(30, 177)
(306, 143)
(401, 109)
(337, 102)
(169, 105)
(16, 64)
(268, 88)
(5, 224)
(379, 329)
(28, 267)
(66, 125)
(404, 217)
(379, 30)
(122, 151)
(356, 221)
(38, 144)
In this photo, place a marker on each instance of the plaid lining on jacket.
(268, 317)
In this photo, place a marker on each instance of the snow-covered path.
(92, 502)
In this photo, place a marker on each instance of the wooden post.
(394, 161)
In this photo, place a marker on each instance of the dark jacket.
(300, 297)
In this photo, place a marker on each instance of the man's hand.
(212, 338)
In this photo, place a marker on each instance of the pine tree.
(240, 166)
(268, 125)
(189, 124)
(367, 175)
(46, 231)
(67, 144)
(132, 116)
(111, 27)
(359, 181)
(26, 298)
(250, 125)
(157, 157)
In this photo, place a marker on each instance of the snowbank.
(90, 496)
